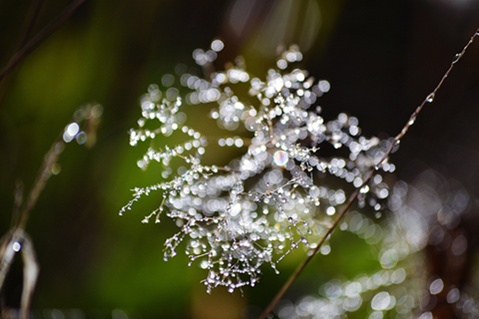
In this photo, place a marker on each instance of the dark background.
(382, 59)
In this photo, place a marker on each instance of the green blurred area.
(108, 52)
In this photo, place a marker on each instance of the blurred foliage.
(110, 51)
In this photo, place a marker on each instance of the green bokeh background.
(381, 59)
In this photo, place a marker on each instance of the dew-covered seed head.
(275, 194)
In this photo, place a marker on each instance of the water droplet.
(325, 249)
(217, 45)
(457, 57)
(152, 88)
(280, 158)
(70, 132)
(426, 315)
(430, 98)
(72, 129)
(96, 111)
(411, 120)
(330, 210)
(314, 191)
(16, 246)
(398, 276)
(81, 138)
(235, 209)
(364, 189)
(324, 86)
(282, 64)
(453, 295)
(459, 245)
(389, 259)
(436, 286)
(382, 301)
(56, 169)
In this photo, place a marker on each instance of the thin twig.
(313, 252)
(17, 203)
(17, 239)
(14, 241)
(39, 38)
(34, 11)
(49, 161)
(354, 196)
(30, 275)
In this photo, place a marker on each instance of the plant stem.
(39, 38)
(429, 99)
(313, 252)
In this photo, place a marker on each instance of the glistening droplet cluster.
(281, 192)
(427, 213)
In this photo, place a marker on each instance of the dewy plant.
(285, 189)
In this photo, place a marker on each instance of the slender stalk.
(354, 196)
(39, 38)
(34, 11)
(49, 161)
(313, 252)
(17, 240)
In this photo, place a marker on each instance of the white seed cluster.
(282, 191)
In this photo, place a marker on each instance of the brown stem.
(39, 38)
(34, 11)
(49, 161)
(354, 196)
(310, 256)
